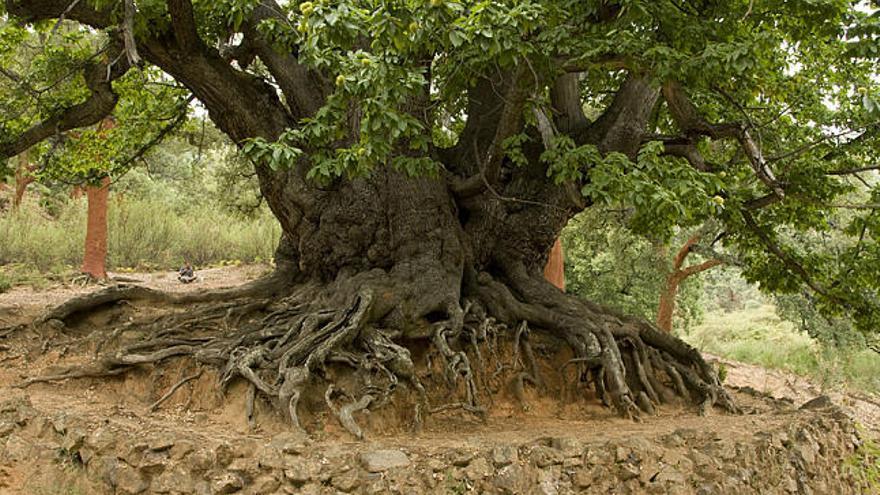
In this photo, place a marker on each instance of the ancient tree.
(422, 158)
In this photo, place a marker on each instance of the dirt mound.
(114, 435)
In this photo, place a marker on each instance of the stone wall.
(805, 456)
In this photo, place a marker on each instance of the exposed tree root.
(170, 392)
(281, 345)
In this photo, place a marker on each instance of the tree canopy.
(760, 116)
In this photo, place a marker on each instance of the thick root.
(280, 346)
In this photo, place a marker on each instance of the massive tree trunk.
(391, 275)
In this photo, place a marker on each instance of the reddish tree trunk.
(554, 270)
(95, 259)
(666, 308)
(23, 178)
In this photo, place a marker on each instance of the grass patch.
(758, 336)
(143, 235)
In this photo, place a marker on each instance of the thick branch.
(565, 95)
(692, 122)
(304, 89)
(99, 104)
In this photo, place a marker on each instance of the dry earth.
(101, 436)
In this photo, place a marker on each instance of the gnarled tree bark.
(372, 266)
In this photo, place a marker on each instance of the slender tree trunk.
(666, 307)
(554, 271)
(95, 258)
(23, 178)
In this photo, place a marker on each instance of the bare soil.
(196, 408)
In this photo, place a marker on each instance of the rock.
(377, 461)
(152, 463)
(545, 456)
(291, 443)
(17, 448)
(670, 475)
(73, 440)
(478, 469)
(265, 484)
(245, 466)
(820, 402)
(227, 483)
(572, 462)
(567, 445)
(346, 481)
(101, 440)
(129, 481)
(461, 457)
(302, 471)
(181, 449)
(175, 480)
(510, 479)
(436, 465)
(224, 454)
(161, 442)
(582, 478)
(202, 459)
(504, 455)
(6, 427)
(628, 471)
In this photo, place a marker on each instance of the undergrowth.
(143, 235)
(758, 336)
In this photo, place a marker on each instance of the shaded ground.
(196, 414)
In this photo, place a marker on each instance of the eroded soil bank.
(102, 436)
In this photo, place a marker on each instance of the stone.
(627, 471)
(152, 462)
(461, 457)
(227, 483)
(245, 466)
(265, 484)
(103, 468)
(17, 448)
(290, 443)
(567, 445)
(224, 454)
(302, 471)
(545, 456)
(276, 459)
(510, 479)
(181, 449)
(129, 481)
(202, 459)
(346, 481)
(377, 461)
(436, 465)
(820, 402)
(6, 427)
(572, 462)
(582, 478)
(161, 442)
(670, 475)
(73, 440)
(176, 480)
(478, 469)
(503, 455)
(100, 440)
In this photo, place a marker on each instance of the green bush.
(760, 337)
(143, 233)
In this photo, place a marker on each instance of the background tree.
(422, 158)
